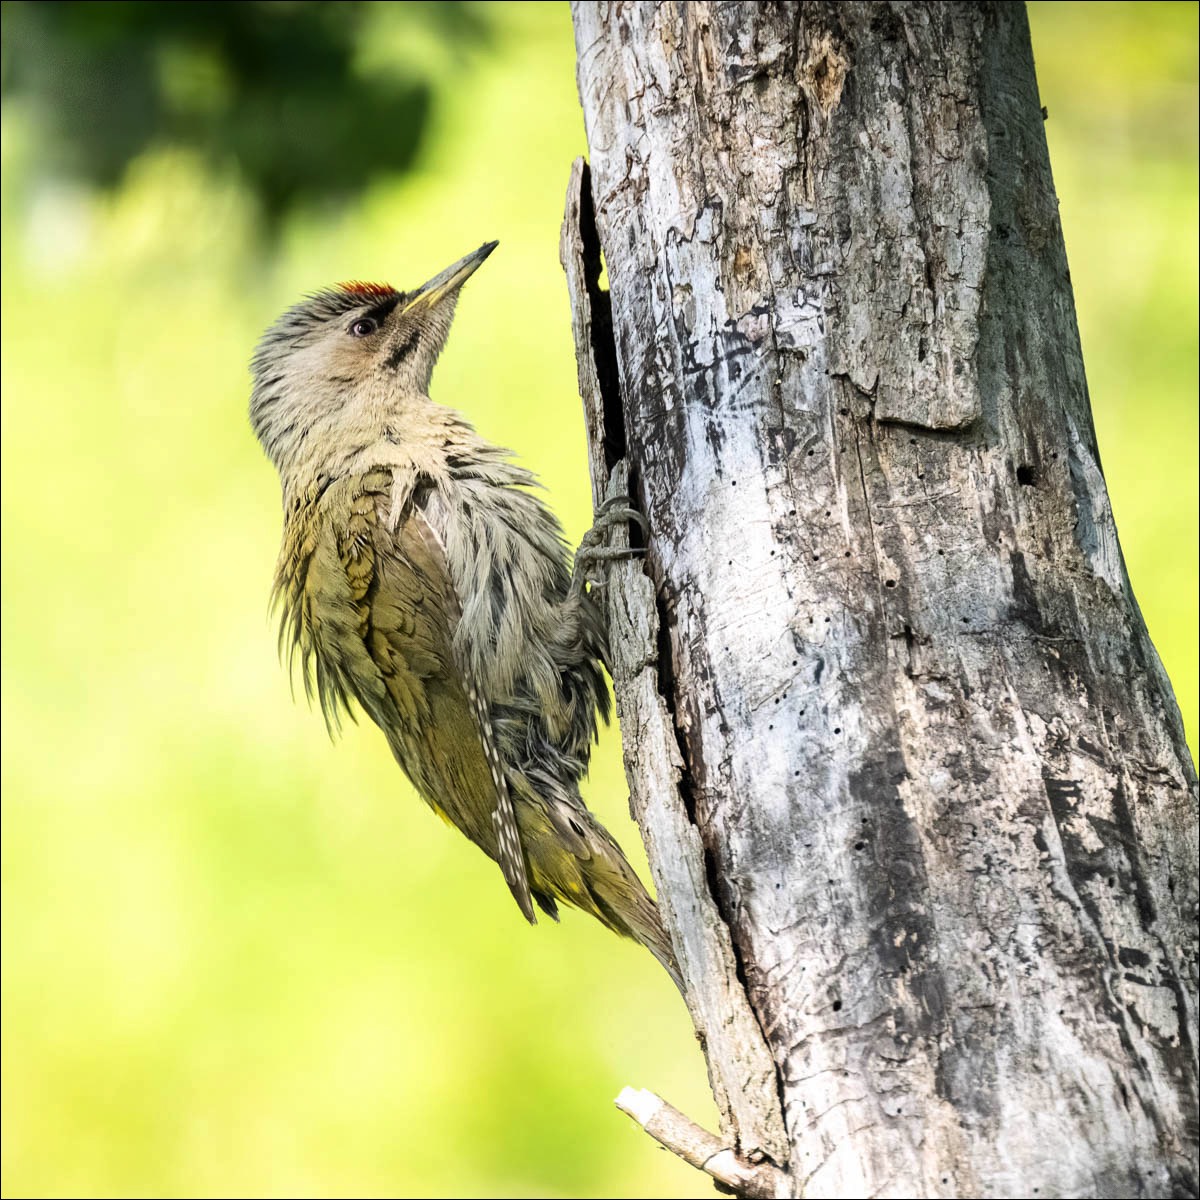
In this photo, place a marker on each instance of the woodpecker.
(421, 577)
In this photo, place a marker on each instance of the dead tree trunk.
(912, 778)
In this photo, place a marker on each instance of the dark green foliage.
(274, 88)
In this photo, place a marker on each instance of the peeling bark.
(912, 779)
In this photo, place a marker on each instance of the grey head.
(334, 372)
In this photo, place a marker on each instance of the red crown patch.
(356, 287)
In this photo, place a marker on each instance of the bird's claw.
(594, 550)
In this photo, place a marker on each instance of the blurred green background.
(239, 960)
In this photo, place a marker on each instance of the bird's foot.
(595, 553)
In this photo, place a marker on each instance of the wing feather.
(371, 613)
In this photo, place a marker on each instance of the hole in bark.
(889, 583)
(837, 1006)
(859, 845)
(811, 453)
(815, 557)
(1026, 475)
(847, 553)
(795, 662)
(942, 553)
(838, 729)
(827, 620)
(963, 620)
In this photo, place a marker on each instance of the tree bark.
(912, 779)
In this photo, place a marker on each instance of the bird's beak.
(451, 279)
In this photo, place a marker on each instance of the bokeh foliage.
(289, 95)
(239, 960)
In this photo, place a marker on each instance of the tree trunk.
(912, 779)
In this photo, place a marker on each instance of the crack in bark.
(640, 618)
(603, 347)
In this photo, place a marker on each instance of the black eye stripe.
(378, 311)
(403, 350)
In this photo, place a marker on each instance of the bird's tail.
(647, 928)
(573, 858)
(629, 911)
(621, 902)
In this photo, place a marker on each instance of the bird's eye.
(364, 327)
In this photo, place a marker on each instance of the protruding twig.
(705, 1151)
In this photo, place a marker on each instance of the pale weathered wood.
(740, 1067)
(912, 779)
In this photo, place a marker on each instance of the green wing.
(373, 612)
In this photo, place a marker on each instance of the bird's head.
(343, 360)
